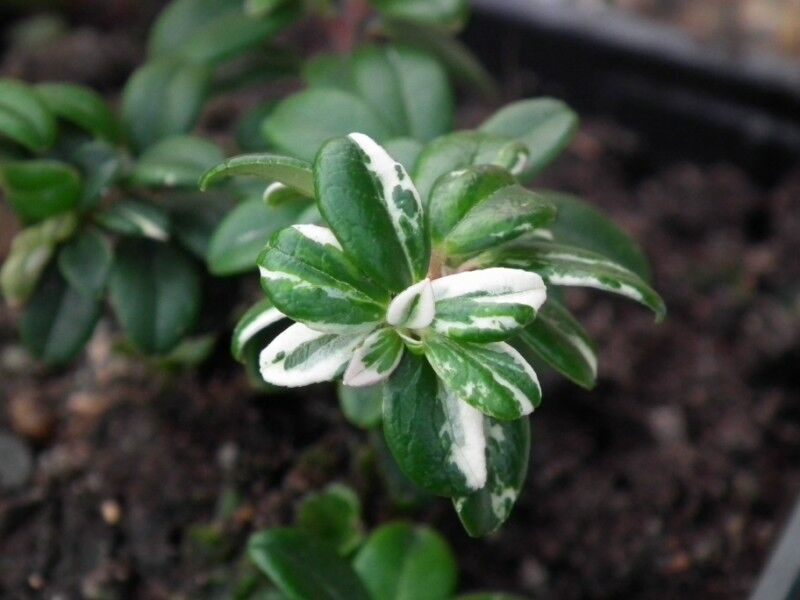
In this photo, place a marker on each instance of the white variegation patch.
(497, 285)
(413, 308)
(318, 234)
(302, 356)
(393, 176)
(463, 426)
(585, 351)
(146, 226)
(374, 360)
(524, 401)
(273, 189)
(591, 281)
(257, 324)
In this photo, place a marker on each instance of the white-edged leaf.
(494, 377)
(372, 206)
(487, 305)
(311, 280)
(302, 356)
(257, 318)
(413, 308)
(570, 266)
(375, 359)
(437, 439)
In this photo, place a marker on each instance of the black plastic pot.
(687, 99)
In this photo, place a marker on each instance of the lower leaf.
(507, 452)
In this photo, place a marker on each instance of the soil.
(671, 479)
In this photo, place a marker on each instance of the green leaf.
(494, 378)
(301, 356)
(132, 218)
(436, 439)
(304, 568)
(194, 226)
(333, 516)
(210, 31)
(569, 266)
(248, 129)
(464, 149)
(59, 320)
(375, 359)
(413, 308)
(177, 161)
(31, 250)
(581, 224)
(244, 232)
(85, 262)
(38, 189)
(261, 8)
(291, 172)
(407, 88)
(258, 317)
(374, 210)
(100, 165)
(362, 406)
(545, 125)
(164, 98)
(80, 106)
(402, 562)
(490, 596)
(507, 453)
(155, 293)
(450, 14)
(310, 280)
(558, 338)
(487, 305)
(24, 118)
(302, 123)
(330, 71)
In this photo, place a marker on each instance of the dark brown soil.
(671, 479)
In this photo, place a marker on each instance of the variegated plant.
(429, 296)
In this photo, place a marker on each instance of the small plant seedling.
(396, 561)
(430, 294)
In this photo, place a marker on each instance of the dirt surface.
(671, 479)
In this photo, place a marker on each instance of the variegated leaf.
(372, 206)
(291, 172)
(557, 337)
(487, 305)
(494, 378)
(302, 356)
(310, 279)
(507, 453)
(375, 359)
(413, 308)
(258, 317)
(437, 439)
(569, 266)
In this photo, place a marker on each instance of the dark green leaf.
(464, 149)
(85, 262)
(129, 217)
(362, 406)
(545, 125)
(38, 189)
(24, 118)
(333, 516)
(304, 568)
(59, 320)
(507, 450)
(164, 98)
(155, 293)
(400, 561)
(559, 340)
(241, 236)
(371, 205)
(100, 165)
(291, 172)
(80, 106)
(302, 123)
(177, 161)
(581, 224)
